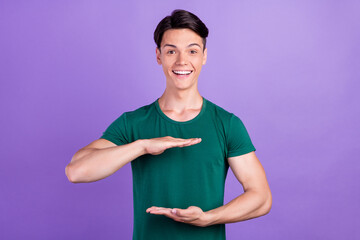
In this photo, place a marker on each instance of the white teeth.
(182, 72)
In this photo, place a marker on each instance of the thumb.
(175, 212)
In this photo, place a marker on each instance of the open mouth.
(182, 73)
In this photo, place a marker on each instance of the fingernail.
(173, 211)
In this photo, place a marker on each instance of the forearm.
(91, 164)
(250, 204)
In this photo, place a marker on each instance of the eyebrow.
(194, 44)
(190, 45)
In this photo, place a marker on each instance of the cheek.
(199, 63)
(167, 63)
(167, 69)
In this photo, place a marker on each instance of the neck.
(180, 100)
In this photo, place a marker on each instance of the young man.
(180, 148)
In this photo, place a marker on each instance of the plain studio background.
(288, 69)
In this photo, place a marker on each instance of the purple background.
(288, 69)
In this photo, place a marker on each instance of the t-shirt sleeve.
(238, 140)
(117, 131)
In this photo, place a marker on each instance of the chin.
(184, 86)
(181, 84)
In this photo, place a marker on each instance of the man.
(180, 148)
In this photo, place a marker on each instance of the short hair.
(181, 19)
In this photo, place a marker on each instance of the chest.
(210, 153)
(182, 116)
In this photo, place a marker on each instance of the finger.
(176, 142)
(154, 208)
(181, 215)
(166, 213)
(193, 142)
(170, 213)
(160, 212)
(180, 142)
(176, 212)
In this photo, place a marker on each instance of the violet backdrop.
(288, 69)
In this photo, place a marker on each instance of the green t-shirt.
(180, 177)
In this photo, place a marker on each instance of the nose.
(181, 59)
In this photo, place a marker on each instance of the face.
(181, 57)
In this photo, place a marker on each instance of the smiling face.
(181, 57)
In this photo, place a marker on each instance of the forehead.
(180, 37)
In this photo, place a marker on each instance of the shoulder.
(139, 114)
(219, 112)
(228, 120)
(139, 111)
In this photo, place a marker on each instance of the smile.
(182, 72)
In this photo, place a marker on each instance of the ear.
(158, 56)
(205, 56)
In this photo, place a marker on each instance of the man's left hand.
(192, 215)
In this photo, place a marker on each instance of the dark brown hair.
(181, 19)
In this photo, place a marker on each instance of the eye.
(171, 52)
(193, 51)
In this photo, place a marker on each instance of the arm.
(102, 158)
(256, 199)
(254, 202)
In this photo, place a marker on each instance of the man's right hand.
(156, 146)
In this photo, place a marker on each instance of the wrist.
(143, 145)
(210, 218)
